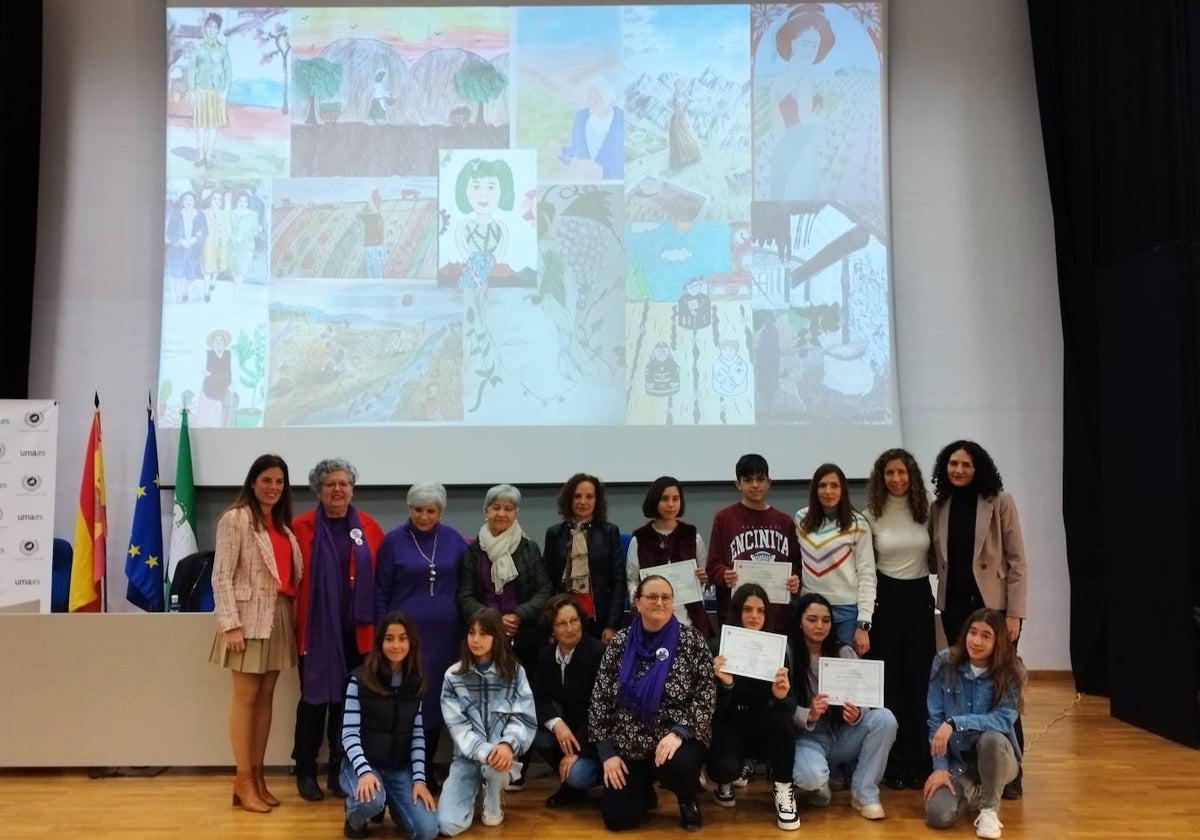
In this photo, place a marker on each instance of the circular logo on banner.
(1, 514)
(29, 547)
(31, 482)
(2, 450)
(34, 419)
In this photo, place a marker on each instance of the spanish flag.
(91, 528)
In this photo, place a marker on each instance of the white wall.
(977, 325)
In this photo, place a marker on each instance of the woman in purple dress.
(417, 573)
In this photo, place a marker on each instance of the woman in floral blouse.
(651, 711)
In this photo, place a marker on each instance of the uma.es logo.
(31, 482)
(34, 419)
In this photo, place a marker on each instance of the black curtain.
(20, 116)
(1118, 88)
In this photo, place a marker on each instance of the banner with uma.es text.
(28, 455)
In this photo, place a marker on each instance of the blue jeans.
(396, 793)
(456, 807)
(845, 622)
(868, 742)
(585, 773)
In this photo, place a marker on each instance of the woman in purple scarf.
(417, 574)
(651, 711)
(335, 615)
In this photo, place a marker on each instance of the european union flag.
(144, 559)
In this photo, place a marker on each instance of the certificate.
(752, 653)
(859, 681)
(771, 576)
(681, 576)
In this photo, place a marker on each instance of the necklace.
(560, 397)
(429, 558)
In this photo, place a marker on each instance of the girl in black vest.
(383, 736)
(667, 539)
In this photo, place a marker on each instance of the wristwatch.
(864, 625)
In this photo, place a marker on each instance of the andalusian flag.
(144, 558)
(183, 517)
(90, 558)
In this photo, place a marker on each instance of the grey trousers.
(980, 786)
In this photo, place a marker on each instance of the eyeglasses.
(658, 597)
(565, 623)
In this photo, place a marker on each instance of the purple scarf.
(334, 606)
(641, 695)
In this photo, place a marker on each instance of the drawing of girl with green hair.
(483, 188)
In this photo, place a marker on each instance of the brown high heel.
(245, 795)
(260, 783)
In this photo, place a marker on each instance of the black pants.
(903, 636)
(623, 809)
(316, 721)
(763, 732)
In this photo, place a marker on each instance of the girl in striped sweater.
(838, 556)
(383, 736)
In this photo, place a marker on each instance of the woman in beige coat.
(256, 572)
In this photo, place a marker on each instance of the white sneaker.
(873, 811)
(724, 796)
(988, 824)
(787, 815)
(496, 817)
(491, 819)
(820, 797)
(746, 775)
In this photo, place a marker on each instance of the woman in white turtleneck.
(902, 634)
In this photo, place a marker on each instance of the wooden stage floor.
(1086, 776)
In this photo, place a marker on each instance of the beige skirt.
(262, 655)
(208, 110)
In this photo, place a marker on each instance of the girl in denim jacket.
(974, 701)
(488, 710)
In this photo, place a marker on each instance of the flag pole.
(104, 575)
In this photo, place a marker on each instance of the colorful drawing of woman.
(215, 254)
(244, 229)
(186, 231)
(482, 188)
(209, 79)
(684, 147)
(803, 40)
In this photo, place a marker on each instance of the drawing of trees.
(479, 82)
(317, 79)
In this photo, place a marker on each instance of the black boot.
(689, 816)
(308, 788)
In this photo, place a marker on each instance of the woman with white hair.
(417, 574)
(503, 570)
(335, 615)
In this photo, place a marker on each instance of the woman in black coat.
(583, 555)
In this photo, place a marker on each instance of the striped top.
(352, 735)
(839, 565)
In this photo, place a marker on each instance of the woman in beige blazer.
(973, 525)
(256, 572)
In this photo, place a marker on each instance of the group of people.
(536, 653)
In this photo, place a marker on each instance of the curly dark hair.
(815, 514)
(877, 492)
(567, 495)
(987, 480)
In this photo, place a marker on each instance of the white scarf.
(499, 549)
